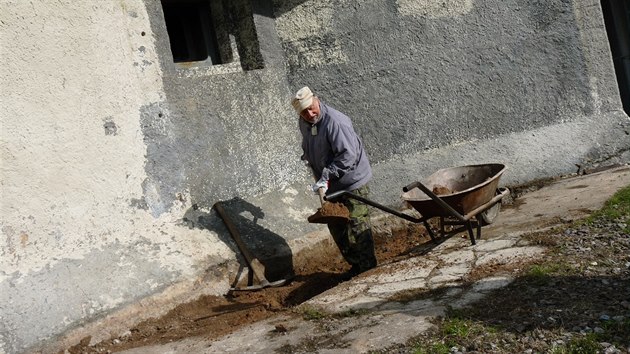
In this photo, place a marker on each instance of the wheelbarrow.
(466, 197)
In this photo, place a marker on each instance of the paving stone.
(510, 255)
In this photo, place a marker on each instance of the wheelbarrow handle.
(347, 194)
(335, 195)
(411, 186)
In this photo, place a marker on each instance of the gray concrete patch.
(511, 255)
(388, 289)
(413, 268)
(566, 200)
(491, 283)
(449, 274)
(461, 256)
(493, 245)
(394, 329)
(466, 299)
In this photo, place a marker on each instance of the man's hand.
(320, 184)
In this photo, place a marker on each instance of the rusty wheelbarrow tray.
(466, 196)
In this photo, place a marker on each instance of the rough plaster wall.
(75, 241)
(593, 137)
(432, 84)
(417, 75)
(233, 133)
(232, 137)
(434, 9)
(538, 153)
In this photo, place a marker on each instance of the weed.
(584, 345)
(435, 348)
(616, 208)
(456, 328)
(454, 332)
(541, 273)
(352, 313)
(312, 313)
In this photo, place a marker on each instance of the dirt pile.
(441, 190)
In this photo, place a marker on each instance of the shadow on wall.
(268, 247)
(275, 8)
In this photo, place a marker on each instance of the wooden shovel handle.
(321, 195)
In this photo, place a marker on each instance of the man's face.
(311, 113)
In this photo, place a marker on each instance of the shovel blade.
(318, 218)
(330, 213)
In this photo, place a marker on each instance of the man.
(339, 161)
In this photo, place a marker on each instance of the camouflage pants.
(354, 238)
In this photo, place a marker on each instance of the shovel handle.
(321, 193)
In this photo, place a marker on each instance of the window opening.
(617, 19)
(212, 32)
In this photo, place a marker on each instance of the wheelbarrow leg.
(428, 227)
(471, 235)
(478, 228)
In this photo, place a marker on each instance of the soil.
(330, 212)
(212, 317)
(441, 190)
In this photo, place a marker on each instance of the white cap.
(302, 99)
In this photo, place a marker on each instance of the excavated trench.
(212, 316)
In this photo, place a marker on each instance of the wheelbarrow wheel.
(488, 215)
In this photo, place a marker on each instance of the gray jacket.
(335, 151)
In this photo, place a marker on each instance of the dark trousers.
(354, 238)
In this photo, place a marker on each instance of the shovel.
(329, 213)
(254, 264)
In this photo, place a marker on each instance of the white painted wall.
(68, 68)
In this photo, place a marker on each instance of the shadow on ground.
(261, 242)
